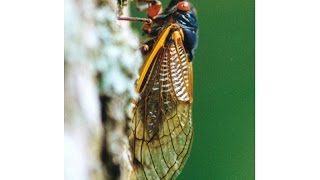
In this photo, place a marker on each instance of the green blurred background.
(223, 110)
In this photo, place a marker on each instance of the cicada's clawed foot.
(146, 28)
(144, 49)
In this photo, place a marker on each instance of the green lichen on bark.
(101, 64)
(121, 5)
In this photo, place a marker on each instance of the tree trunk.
(102, 59)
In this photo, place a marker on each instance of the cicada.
(161, 133)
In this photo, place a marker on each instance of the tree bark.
(102, 59)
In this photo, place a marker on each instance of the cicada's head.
(183, 13)
(177, 7)
(174, 2)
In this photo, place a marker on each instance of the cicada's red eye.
(154, 9)
(183, 6)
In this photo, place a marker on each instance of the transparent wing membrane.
(162, 132)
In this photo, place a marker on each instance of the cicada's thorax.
(181, 13)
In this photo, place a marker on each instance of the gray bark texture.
(101, 62)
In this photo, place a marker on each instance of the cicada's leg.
(147, 46)
(153, 31)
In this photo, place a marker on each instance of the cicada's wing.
(162, 133)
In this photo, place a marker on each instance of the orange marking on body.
(184, 6)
